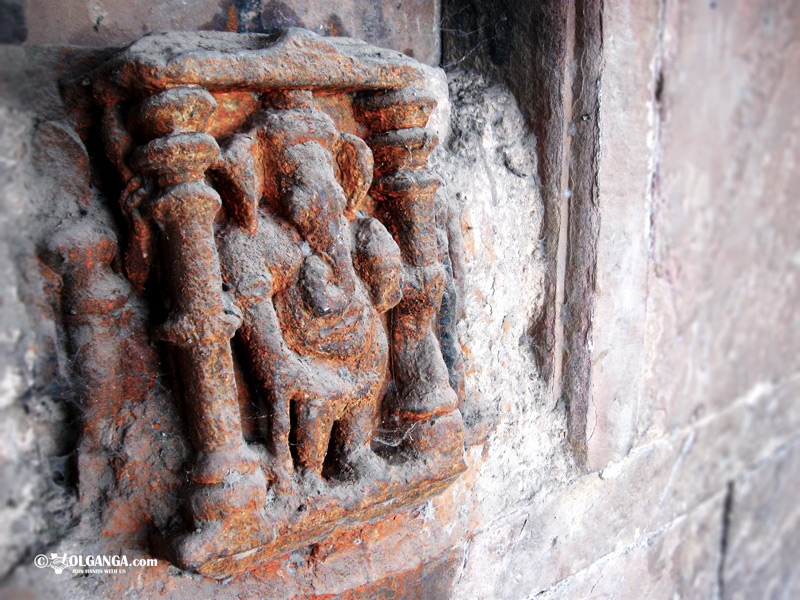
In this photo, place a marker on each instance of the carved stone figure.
(279, 212)
(312, 334)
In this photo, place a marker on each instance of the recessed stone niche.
(248, 269)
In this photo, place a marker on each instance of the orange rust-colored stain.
(232, 24)
(468, 236)
(282, 218)
(233, 109)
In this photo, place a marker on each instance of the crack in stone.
(724, 537)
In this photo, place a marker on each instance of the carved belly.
(343, 338)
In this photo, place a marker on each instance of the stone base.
(431, 580)
(304, 517)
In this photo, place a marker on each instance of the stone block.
(566, 528)
(571, 527)
(679, 561)
(486, 557)
(627, 127)
(722, 446)
(724, 281)
(763, 539)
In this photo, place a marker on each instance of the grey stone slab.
(628, 133)
(725, 272)
(679, 561)
(763, 541)
(568, 528)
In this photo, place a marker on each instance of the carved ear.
(241, 179)
(355, 164)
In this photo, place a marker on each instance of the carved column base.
(250, 536)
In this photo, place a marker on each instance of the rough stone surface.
(38, 420)
(527, 47)
(683, 401)
(724, 287)
(627, 124)
(492, 166)
(763, 542)
(411, 27)
(569, 524)
(691, 486)
(660, 565)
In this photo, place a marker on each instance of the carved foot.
(423, 404)
(280, 475)
(238, 534)
(424, 384)
(365, 464)
(313, 481)
(216, 466)
(226, 481)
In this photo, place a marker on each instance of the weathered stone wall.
(682, 263)
(411, 27)
(691, 329)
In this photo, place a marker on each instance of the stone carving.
(279, 212)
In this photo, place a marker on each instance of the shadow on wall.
(12, 22)
(521, 45)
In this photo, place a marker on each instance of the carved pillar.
(184, 208)
(406, 190)
(92, 300)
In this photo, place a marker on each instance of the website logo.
(92, 563)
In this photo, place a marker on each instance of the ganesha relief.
(279, 209)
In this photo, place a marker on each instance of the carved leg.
(247, 265)
(355, 435)
(268, 357)
(314, 416)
